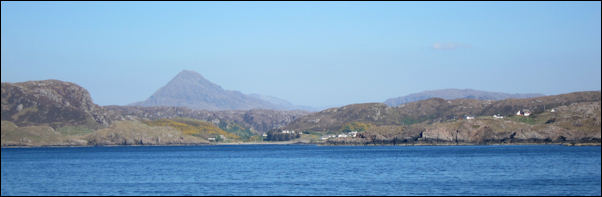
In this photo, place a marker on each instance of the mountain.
(189, 89)
(576, 118)
(449, 94)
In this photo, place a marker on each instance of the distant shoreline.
(317, 144)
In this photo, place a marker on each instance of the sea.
(302, 170)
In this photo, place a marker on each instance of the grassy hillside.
(13, 135)
(137, 133)
(193, 127)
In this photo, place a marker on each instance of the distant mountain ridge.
(189, 89)
(449, 94)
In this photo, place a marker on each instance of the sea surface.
(302, 170)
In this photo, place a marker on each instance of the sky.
(308, 53)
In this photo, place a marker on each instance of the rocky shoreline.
(318, 144)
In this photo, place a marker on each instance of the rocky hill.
(189, 89)
(576, 117)
(51, 103)
(450, 94)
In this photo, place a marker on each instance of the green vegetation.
(523, 119)
(193, 127)
(278, 136)
(13, 135)
(74, 130)
(409, 121)
(244, 133)
(138, 133)
(255, 138)
(355, 126)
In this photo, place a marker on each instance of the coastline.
(304, 143)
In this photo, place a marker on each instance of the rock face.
(449, 94)
(52, 103)
(189, 89)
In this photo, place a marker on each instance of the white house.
(523, 113)
(553, 110)
(469, 117)
(289, 132)
(265, 134)
(497, 116)
(211, 139)
(342, 135)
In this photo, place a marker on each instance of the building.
(469, 117)
(553, 110)
(523, 113)
(498, 116)
(288, 132)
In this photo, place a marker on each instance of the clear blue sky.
(309, 53)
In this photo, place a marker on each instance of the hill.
(51, 103)
(576, 117)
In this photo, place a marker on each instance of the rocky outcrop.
(52, 103)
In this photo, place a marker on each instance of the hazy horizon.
(309, 53)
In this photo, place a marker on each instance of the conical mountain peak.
(190, 89)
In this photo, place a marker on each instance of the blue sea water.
(302, 170)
